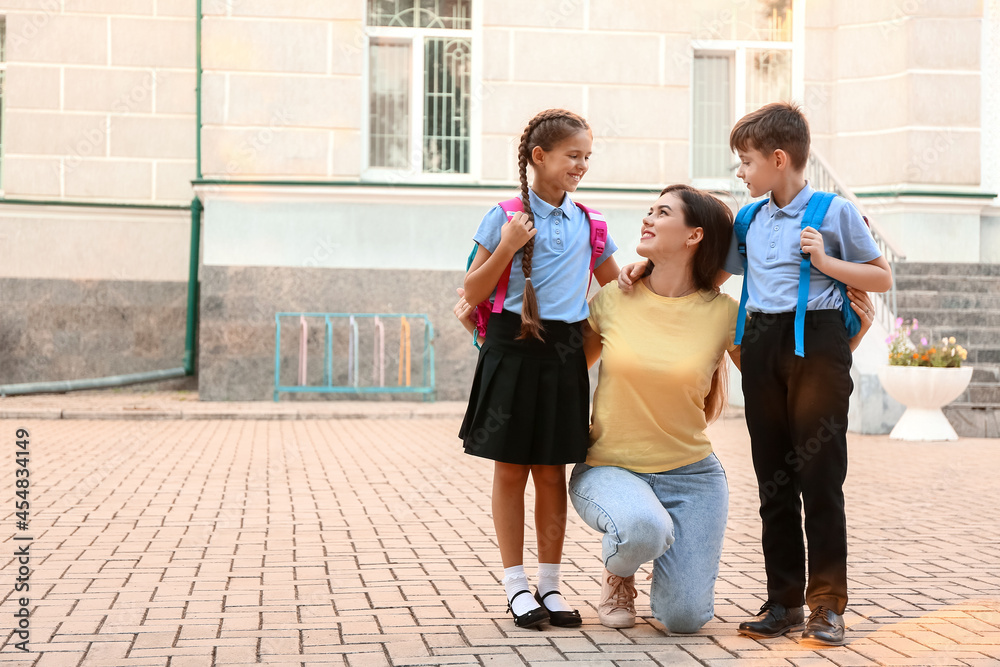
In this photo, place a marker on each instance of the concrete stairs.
(960, 300)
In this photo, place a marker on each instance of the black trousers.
(796, 412)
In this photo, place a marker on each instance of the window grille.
(419, 86)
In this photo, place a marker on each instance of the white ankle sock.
(514, 580)
(548, 580)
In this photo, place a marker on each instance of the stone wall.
(75, 329)
(237, 332)
(900, 81)
(100, 101)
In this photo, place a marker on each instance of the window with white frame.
(742, 61)
(419, 87)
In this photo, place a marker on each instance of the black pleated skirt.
(530, 399)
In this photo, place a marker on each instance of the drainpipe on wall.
(192, 301)
(190, 336)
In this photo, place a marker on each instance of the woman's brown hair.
(702, 209)
(544, 130)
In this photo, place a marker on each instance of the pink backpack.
(598, 239)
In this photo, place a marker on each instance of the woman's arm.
(862, 305)
(592, 344)
(607, 271)
(631, 274)
(463, 311)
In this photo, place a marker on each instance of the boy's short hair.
(773, 126)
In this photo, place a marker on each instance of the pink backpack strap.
(598, 236)
(598, 242)
(510, 207)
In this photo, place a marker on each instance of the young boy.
(796, 407)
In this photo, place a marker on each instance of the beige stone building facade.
(344, 151)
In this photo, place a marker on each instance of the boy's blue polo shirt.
(773, 254)
(560, 265)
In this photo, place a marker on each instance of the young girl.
(529, 405)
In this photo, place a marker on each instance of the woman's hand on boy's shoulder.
(630, 275)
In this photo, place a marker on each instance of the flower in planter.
(904, 352)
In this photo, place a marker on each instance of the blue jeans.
(677, 518)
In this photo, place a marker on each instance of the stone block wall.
(896, 80)
(237, 332)
(76, 329)
(100, 101)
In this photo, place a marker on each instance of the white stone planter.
(924, 391)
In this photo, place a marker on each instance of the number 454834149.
(21, 458)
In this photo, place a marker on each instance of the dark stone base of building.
(237, 330)
(74, 329)
(54, 330)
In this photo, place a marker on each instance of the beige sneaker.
(618, 594)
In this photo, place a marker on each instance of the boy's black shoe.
(773, 620)
(825, 627)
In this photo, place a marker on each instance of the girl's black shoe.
(528, 619)
(561, 619)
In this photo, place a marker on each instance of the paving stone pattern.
(368, 542)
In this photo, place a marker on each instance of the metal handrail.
(819, 169)
(821, 177)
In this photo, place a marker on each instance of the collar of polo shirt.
(794, 207)
(543, 209)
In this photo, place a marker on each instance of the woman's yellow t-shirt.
(657, 362)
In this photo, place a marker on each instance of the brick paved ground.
(368, 542)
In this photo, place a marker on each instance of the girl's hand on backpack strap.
(630, 275)
(812, 245)
(517, 231)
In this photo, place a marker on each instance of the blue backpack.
(816, 210)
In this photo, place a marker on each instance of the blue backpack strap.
(851, 319)
(742, 224)
(816, 210)
(468, 265)
(472, 256)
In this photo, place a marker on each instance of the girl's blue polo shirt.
(773, 254)
(560, 267)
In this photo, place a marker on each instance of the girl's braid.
(531, 323)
